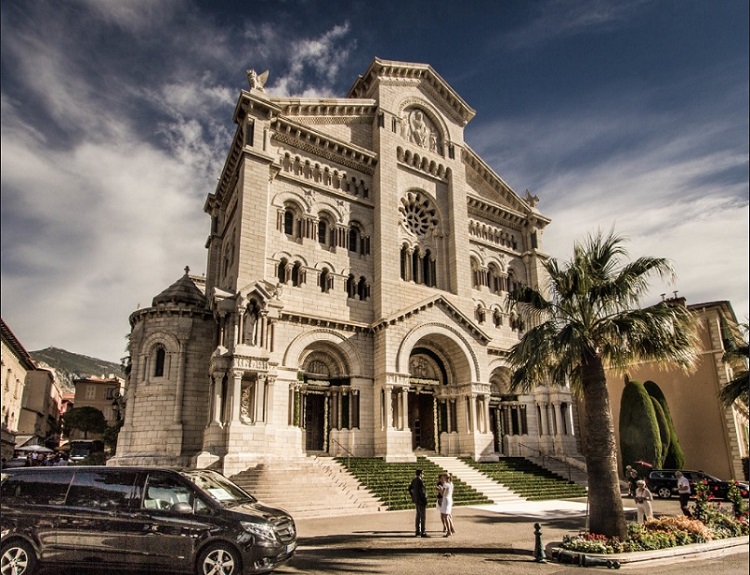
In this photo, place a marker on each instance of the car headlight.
(260, 530)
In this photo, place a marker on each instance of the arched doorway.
(501, 421)
(325, 397)
(428, 375)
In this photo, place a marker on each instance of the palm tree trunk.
(606, 515)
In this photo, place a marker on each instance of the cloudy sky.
(116, 117)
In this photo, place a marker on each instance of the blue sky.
(116, 117)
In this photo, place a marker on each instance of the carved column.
(404, 408)
(236, 395)
(260, 399)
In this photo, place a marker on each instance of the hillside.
(70, 366)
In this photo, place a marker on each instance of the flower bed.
(710, 521)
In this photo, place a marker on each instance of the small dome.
(182, 291)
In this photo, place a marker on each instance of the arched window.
(297, 274)
(354, 239)
(289, 221)
(282, 271)
(325, 280)
(493, 279)
(497, 318)
(351, 286)
(479, 314)
(363, 289)
(323, 232)
(476, 276)
(428, 269)
(404, 262)
(159, 360)
(416, 272)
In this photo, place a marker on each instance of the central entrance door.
(315, 421)
(422, 421)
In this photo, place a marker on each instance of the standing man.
(418, 493)
(683, 490)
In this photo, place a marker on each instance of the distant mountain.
(70, 366)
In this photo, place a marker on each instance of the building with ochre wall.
(360, 254)
(713, 438)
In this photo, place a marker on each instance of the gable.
(425, 309)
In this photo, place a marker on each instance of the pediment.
(452, 313)
(438, 88)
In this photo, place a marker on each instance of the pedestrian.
(446, 507)
(439, 503)
(683, 491)
(632, 477)
(418, 493)
(643, 498)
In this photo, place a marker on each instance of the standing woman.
(446, 508)
(643, 499)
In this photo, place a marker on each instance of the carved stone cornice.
(313, 142)
(332, 324)
(337, 110)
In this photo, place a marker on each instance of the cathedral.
(359, 258)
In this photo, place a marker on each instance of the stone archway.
(324, 395)
(437, 368)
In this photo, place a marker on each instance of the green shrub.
(640, 439)
(674, 458)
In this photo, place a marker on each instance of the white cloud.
(324, 56)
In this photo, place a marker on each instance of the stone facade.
(359, 259)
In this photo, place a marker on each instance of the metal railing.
(545, 456)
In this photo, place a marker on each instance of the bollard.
(539, 555)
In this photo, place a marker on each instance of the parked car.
(137, 519)
(663, 483)
(15, 462)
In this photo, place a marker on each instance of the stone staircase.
(495, 491)
(574, 471)
(308, 487)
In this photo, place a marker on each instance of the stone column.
(404, 408)
(236, 395)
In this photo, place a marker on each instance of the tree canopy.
(86, 419)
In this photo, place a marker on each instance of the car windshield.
(218, 487)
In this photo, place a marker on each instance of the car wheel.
(17, 558)
(664, 492)
(219, 559)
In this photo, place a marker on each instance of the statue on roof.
(257, 81)
(532, 200)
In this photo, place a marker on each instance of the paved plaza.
(489, 539)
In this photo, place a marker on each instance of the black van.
(127, 518)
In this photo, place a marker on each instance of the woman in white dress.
(446, 507)
(643, 500)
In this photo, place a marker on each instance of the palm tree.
(586, 321)
(736, 355)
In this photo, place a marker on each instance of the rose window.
(418, 215)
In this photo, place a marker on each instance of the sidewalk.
(489, 539)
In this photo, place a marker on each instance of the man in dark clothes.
(418, 493)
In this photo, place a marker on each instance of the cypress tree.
(664, 432)
(674, 458)
(640, 439)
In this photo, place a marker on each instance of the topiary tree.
(640, 438)
(664, 432)
(674, 458)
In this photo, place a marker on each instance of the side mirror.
(181, 507)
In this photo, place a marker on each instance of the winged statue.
(257, 81)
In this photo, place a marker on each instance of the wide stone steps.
(309, 487)
(491, 489)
